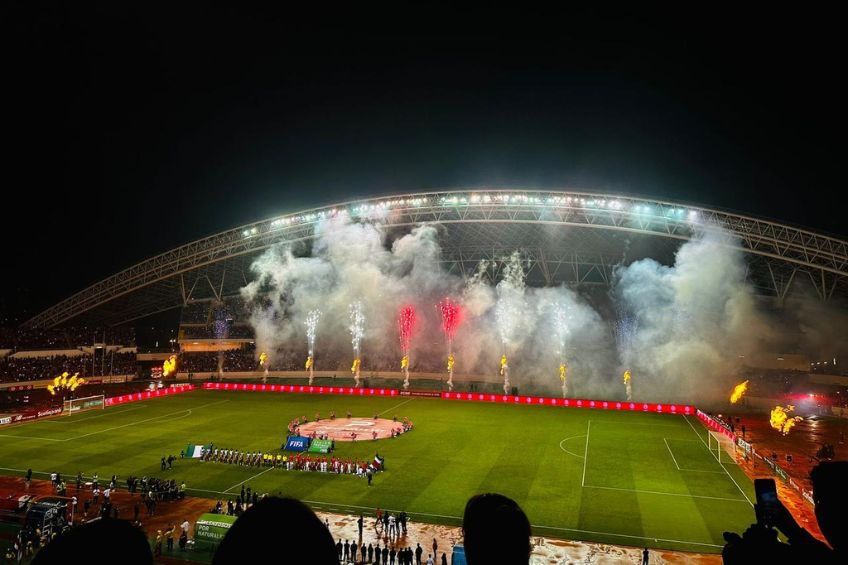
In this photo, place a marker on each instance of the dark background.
(132, 131)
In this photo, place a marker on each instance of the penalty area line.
(719, 461)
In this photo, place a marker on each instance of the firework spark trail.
(738, 392)
(562, 321)
(406, 324)
(625, 335)
(509, 309)
(357, 331)
(311, 327)
(451, 319)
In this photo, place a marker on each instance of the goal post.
(75, 405)
(722, 447)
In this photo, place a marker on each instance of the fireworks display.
(625, 335)
(263, 362)
(451, 319)
(509, 309)
(64, 383)
(686, 323)
(406, 325)
(169, 366)
(311, 327)
(357, 332)
(780, 419)
(562, 327)
(563, 377)
(738, 392)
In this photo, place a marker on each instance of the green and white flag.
(194, 451)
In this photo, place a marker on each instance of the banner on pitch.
(194, 451)
(320, 446)
(296, 443)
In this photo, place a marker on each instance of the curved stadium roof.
(568, 237)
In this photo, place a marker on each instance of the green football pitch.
(627, 478)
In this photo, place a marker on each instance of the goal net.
(722, 447)
(81, 404)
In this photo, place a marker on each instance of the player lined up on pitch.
(296, 462)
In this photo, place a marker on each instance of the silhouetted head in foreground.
(280, 529)
(830, 493)
(496, 530)
(101, 542)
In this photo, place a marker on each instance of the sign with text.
(296, 443)
(320, 446)
(212, 527)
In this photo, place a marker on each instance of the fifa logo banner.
(296, 443)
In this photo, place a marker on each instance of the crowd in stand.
(20, 369)
(25, 339)
(35, 368)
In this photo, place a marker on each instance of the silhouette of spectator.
(760, 543)
(98, 543)
(496, 530)
(255, 536)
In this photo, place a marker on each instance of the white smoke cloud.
(693, 318)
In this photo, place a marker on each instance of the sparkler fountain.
(562, 319)
(508, 310)
(406, 324)
(625, 332)
(451, 318)
(263, 362)
(357, 330)
(311, 324)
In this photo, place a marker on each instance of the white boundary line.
(247, 479)
(558, 528)
(672, 455)
(188, 410)
(395, 407)
(668, 493)
(679, 468)
(65, 421)
(722, 466)
(586, 453)
(329, 504)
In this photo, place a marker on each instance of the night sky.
(133, 132)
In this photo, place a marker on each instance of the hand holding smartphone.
(767, 502)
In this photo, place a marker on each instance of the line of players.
(293, 462)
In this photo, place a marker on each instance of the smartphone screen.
(766, 492)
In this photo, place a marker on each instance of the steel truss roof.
(574, 237)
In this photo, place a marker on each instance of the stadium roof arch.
(566, 236)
